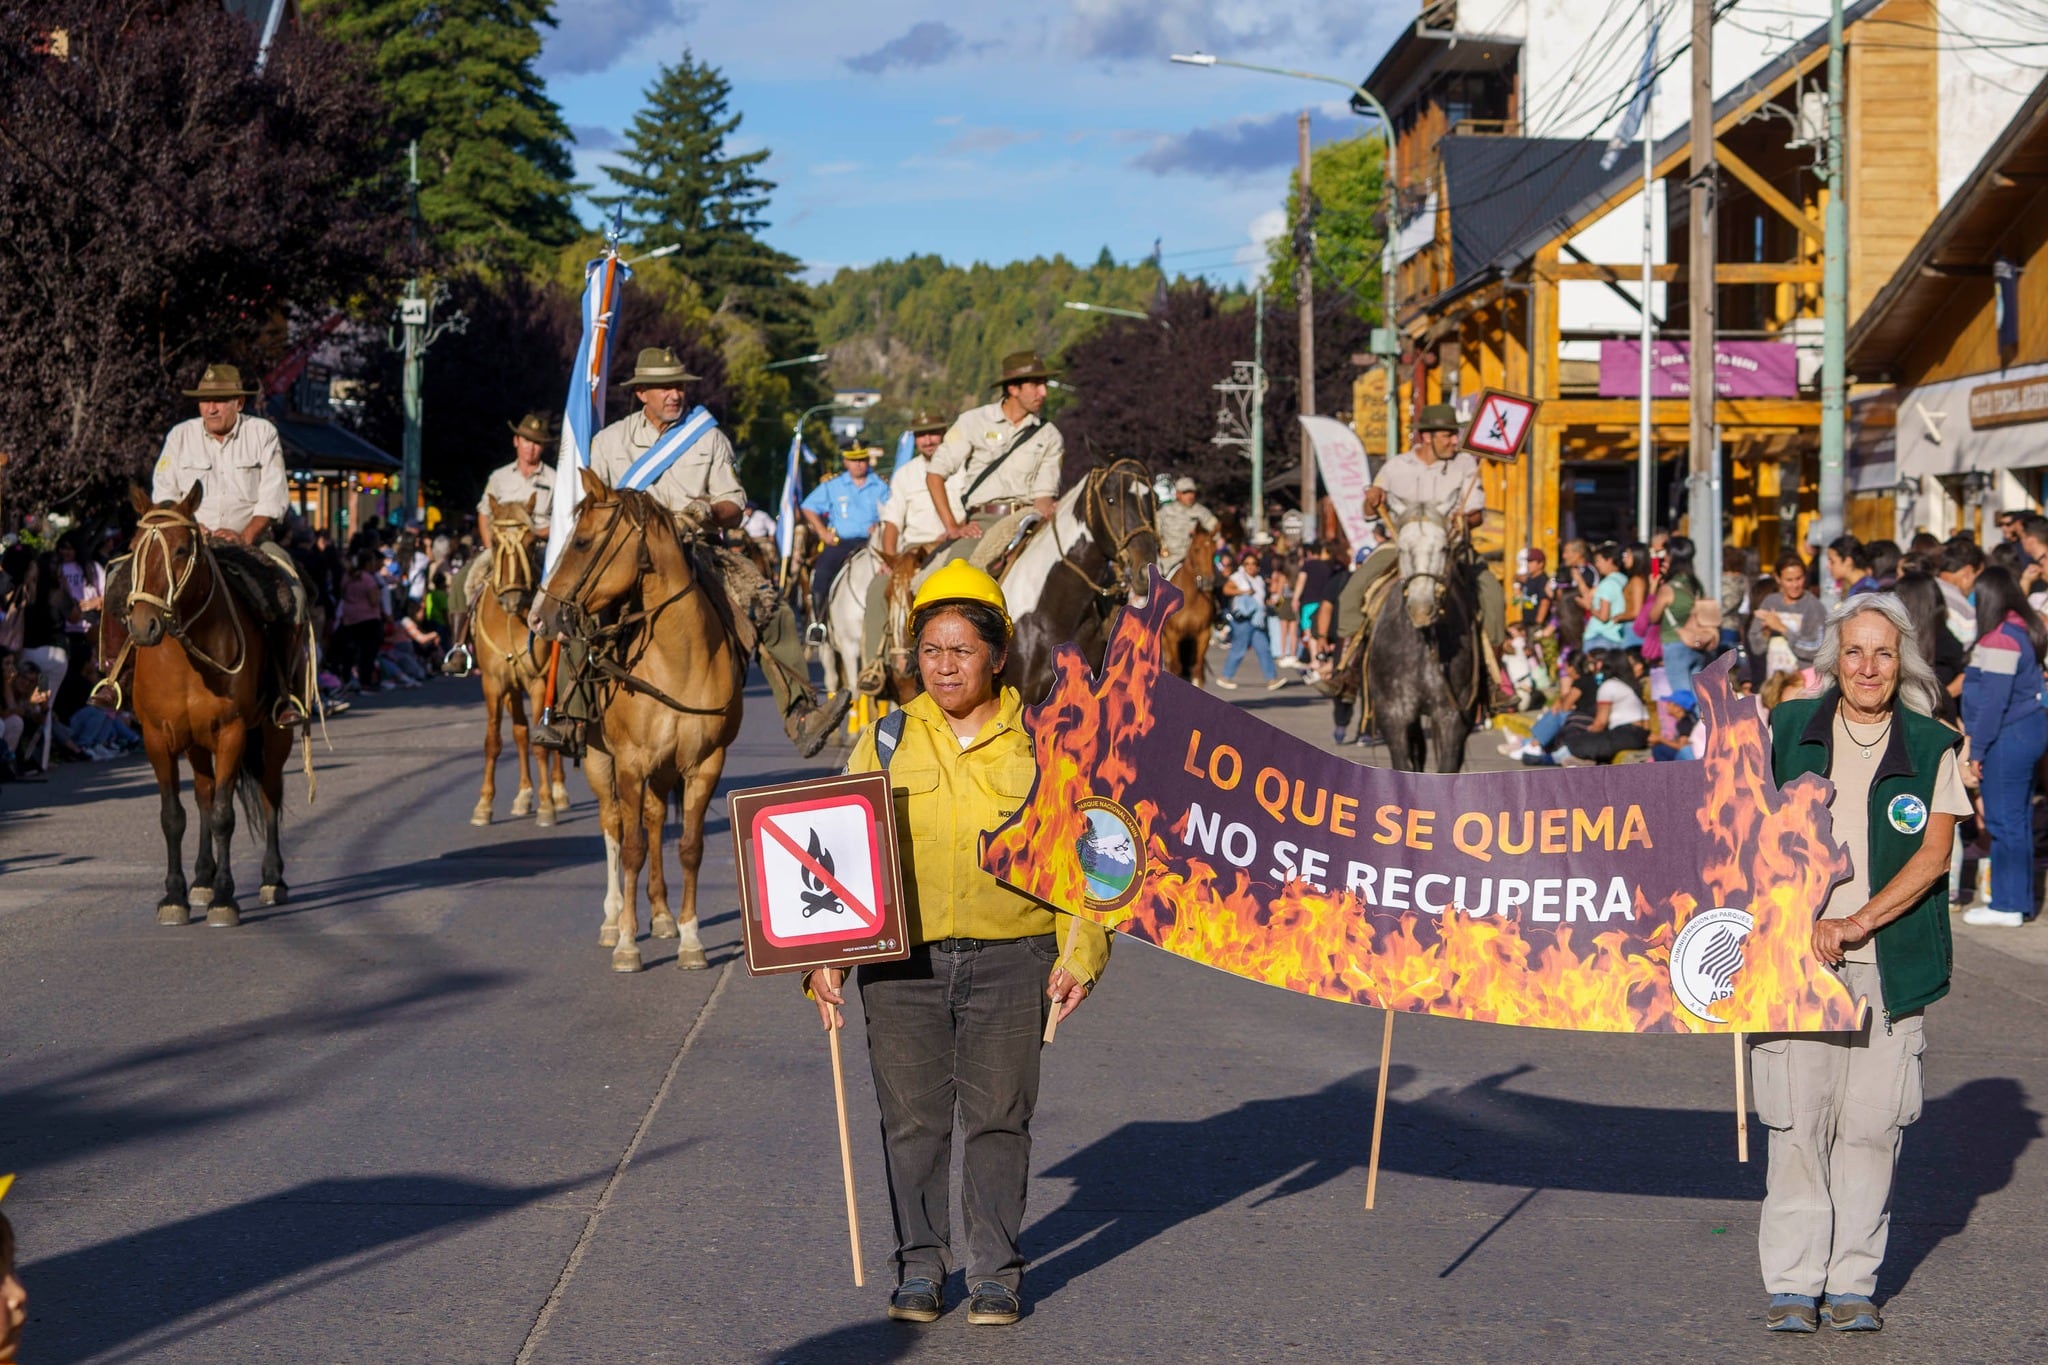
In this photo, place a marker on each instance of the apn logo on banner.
(1500, 425)
(818, 874)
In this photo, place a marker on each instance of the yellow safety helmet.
(960, 581)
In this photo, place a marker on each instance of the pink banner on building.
(1742, 369)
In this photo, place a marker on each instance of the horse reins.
(1125, 529)
(599, 637)
(151, 535)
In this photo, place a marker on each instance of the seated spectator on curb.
(1785, 630)
(1619, 715)
(1571, 712)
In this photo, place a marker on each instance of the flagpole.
(1646, 450)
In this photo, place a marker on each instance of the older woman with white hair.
(1835, 1103)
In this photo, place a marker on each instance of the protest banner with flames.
(1649, 898)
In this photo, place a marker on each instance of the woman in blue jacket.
(2008, 731)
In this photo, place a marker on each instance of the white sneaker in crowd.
(1276, 684)
(1997, 919)
(1226, 684)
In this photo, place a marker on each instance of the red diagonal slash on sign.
(868, 917)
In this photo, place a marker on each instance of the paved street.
(412, 1116)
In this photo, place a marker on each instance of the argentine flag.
(583, 414)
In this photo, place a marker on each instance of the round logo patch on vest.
(1908, 814)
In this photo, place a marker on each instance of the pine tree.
(494, 151)
(681, 185)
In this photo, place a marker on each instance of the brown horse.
(1195, 576)
(513, 671)
(898, 667)
(199, 695)
(670, 709)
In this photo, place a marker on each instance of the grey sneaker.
(1853, 1313)
(1792, 1313)
(916, 1300)
(994, 1305)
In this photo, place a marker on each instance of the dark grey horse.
(1422, 669)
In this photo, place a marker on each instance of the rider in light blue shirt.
(842, 511)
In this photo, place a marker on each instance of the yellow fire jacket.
(946, 796)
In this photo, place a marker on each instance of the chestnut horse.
(1195, 576)
(512, 670)
(199, 695)
(670, 708)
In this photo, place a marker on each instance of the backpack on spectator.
(1702, 629)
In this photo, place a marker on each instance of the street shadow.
(129, 1098)
(1149, 1177)
(211, 1268)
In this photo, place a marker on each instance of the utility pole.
(1304, 298)
(1241, 419)
(1704, 481)
(416, 317)
(1834, 295)
(1646, 433)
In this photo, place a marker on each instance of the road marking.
(604, 1198)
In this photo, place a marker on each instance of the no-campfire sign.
(1500, 424)
(819, 884)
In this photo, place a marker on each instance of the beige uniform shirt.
(979, 437)
(1413, 484)
(705, 470)
(1177, 528)
(507, 484)
(910, 508)
(244, 475)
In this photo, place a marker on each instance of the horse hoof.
(561, 795)
(225, 916)
(626, 958)
(608, 937)
(522, 804)
(480, 817)
(275, 894)
(545, 820)
(692, 959)
(665, 926)
(172, 913)
(202, 896)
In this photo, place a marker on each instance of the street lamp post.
(1383, 336)
(1080, 307)
(815, 358)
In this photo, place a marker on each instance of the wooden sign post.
(820, 887)
(1379, 1113)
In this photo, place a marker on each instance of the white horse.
(846, 608)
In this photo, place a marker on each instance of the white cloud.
(591, 35)
(1262, 230)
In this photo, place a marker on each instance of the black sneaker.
(993, 1305)
(916, 1300)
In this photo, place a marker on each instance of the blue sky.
(992, 132)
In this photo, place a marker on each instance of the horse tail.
(249, 786)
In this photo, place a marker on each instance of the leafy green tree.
(494, 152)
(1345, 180)
(679, 183)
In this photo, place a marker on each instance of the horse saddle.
(998, 561)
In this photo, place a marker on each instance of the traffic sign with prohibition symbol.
(819, 881)
(1500, 425)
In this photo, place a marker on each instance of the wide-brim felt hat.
(928, 419)
(535, 426)
(1438, 417)
(221, 381)
(1019, 366)
(656, 368)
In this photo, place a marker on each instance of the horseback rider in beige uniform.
(1008, 460)
(527, 476)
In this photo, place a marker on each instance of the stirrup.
(815, 633)
(458, 667)
(559, 736)
(872, 680)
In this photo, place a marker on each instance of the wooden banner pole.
(1741, 1104)
(846, 1159)
(1052, 1018)
(1379, 1113)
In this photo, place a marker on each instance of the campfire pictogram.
(817, 895)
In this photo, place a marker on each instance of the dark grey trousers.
(958, 1032)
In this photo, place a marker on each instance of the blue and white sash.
(655, 461)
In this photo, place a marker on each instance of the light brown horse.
(671, 707)
(514, 671)
(199, 695)
(899, 668)
(1195, 576)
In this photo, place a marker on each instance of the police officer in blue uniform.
(842, 511)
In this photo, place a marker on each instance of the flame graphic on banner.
(1769, 852)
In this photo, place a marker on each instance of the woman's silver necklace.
(1850, 731)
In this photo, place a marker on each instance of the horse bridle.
(151, 535)
(638, 509)
(511, 560)
(1126, 528)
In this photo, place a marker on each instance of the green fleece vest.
(1914, 951)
